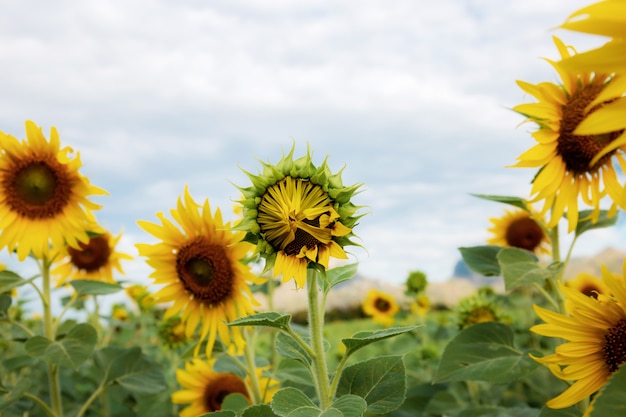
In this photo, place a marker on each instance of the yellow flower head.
(572, 165)
(518, 229)
(94, 260)
(141, 295)
(172, 332)
(477, 309)
(588, 284)
(199, 267)
(595, 334)
(421, 305)
(298, 214)
(119, 312)
(43, 197)
(205, 390)
(380, 306)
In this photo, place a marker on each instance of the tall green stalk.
(316, 327)
(48, 329)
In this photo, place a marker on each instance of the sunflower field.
(197, 340)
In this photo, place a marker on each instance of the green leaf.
(331, 412)
(287, 401)
(90, 287)
(15, 393)
(221, 413)
(261, 410)
(610, 400)
(584, 223)
(521, 267)
(483, 352)
(482, 259)
(288, 347)
(486, 411)
(572, 411)
(9, 280)
(380, 381)
(514, 201)
(366, 337)
(236, 402)
(71, 351)
(336, 276)
(5, 304)
(350, 405)
(131, 369)
(268, 319)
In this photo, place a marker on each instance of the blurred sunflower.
(94, 260)
(518, 229)
(595, 331)
(477, 309)
(43, 197)
(205, 390)
(298, 214)
(421, 305)
(141, 295)
(201, 271)
(588, 284)
(172, 332)
(120, 312)
(380, 306)
(571, 165)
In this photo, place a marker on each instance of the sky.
(412, 97)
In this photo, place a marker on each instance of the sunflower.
(298, 214)
(172, 332)
(588, 284)
(595, 331)
(43, 197)
(205, 390)
(421, 305)
(120, 312)
(141, 295)
(476, 309)
(94, 260)
(572, 166)
(381, 306)
(201, 271)
(518, 229)
(605, 18)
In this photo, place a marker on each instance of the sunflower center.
(37, 189)
(614, 347)
(382, 305)
(205, 270)
(289, 215)
(524, 233)
(223, 385)
(590, 291)
(481, 315)
(577, 151)
(91, 256)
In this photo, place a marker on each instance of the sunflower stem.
(316, 327)
(257, 398)
(48, 328)
(556, 257)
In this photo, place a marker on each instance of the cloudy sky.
(412, 96)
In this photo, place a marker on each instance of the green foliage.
(71, 351)
(269, 319)
(610, 400)
(366, 337)
(482, 259)
(520, 267)
(484, 352)
(585, 224)
(91, 287)
(514, 201)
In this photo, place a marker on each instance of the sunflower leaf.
(572, 411)
(5, 303)
(291, 401)
(380, 381)
(9, 280)
(260, 410)
(366, 337)
(585, 223)
(236, 402)
(14, 394)
(71, 351)
(610, 400)
(482, 259)
(90, 287)
(514, 201)
(483, 352)
(350, 406)
(268, 319)
(336, 276)
(521, 267)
